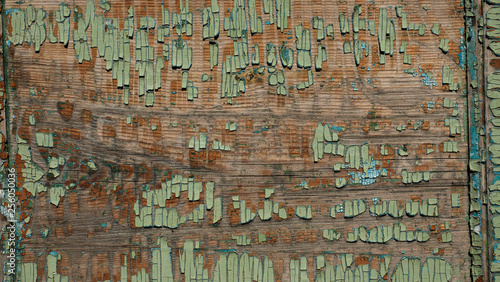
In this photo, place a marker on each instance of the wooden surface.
(93, 227)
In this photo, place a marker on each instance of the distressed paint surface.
(250, 140)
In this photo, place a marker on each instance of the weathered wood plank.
(129, 112)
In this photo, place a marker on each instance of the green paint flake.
(347, 47)
(161, 262)
(217, 210)
(454, 124)
(443, 45)
(214, 55)
(184, 80)
(421, 29)
(52, 261)
(403, 151)
(44, 139)
(262, 238)
(352, 236)
(340, 182)
(268, 192)
(330, 31)
(304, 212)
(395, 209)
(435, 29)
(204, 77)
(331, 234)
(31, 172)
(495, 47)
(344, 24)
(408, 269)
(320, 262)
(56, 193)
(242, 240)
(436, 269)
(455, 200)
(411, 208)
(353, 156)
(209, 194)
(429, 207)
(379, 209)
(282, 213)
(29, 271)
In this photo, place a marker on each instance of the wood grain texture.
(93, 227)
